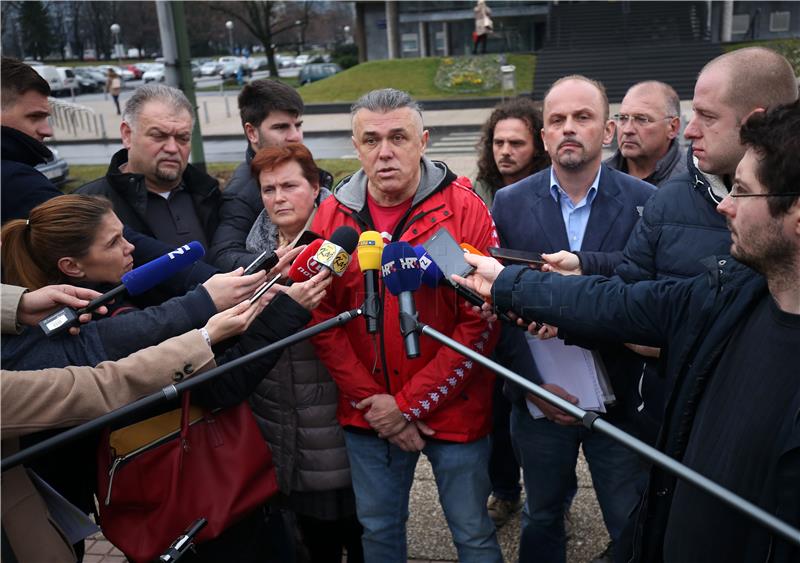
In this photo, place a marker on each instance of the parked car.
(229, 69)
(317, 71)
(154, 74)
(53, 78)
(68, 79)
(258, 63)
(284, 61)
(195, 69)
(301, 60)
(123, 73)
(136, 70)
(86, 81)
(56, 169)
(97, 75)
(210, 68)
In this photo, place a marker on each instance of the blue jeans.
(548, 453)
(503, 465)
(382, 476)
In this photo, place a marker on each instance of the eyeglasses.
(638, 120)
(735, 193)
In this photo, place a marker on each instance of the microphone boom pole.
(170, 392)
(592, 421)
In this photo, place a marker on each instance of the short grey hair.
(155, 92)
(384, 101)
(672, 103)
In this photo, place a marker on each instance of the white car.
(210, 68)
(154, 74)
(300, 60)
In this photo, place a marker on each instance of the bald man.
(648, 125)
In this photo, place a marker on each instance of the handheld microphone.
(336, 253)
(433, 276)
(402, 276)
(135, 282)
(370, 248)
(305, 266)
(469, 249)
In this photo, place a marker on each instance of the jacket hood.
(434, 175)
(19, 147)
(711, 187)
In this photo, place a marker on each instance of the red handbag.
(158, 476)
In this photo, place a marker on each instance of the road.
(321, 146)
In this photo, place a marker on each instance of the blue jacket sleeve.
(126, 333)
(283, 317)
(595, 263)
(593, 306)
(241, 204)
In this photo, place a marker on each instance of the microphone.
(135, 282)
(431, 274)
(402, 276)
(469, 249)
(336, 253)
(305, 266)
(370, 248)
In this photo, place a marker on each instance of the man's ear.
(754, 110)
(125, 133)
(425, 136)
(544, 141)
(252, 133)
(674, 127)
(70, 267)
(609, 130)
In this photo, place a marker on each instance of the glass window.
(410, 43)
(779, 21)
(741, 24)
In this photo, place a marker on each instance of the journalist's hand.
(562, 262)
(235, 320)
(36, 305)
(227, 290)
(311, 292)
(286, 257)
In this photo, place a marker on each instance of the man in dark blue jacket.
(578, 203)
(680, 225)
(731, 338)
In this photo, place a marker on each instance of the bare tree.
(265, 19)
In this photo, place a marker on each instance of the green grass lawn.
(415, 76)
(81, 174)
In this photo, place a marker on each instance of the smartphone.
(447, 254)
(265, 261)
(306, 237)
(264, 288)
(517, 256)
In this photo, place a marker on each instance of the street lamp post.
(299, 24)
(115, 29)
(229, 27)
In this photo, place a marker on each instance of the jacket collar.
(195, 182)
(663, 167)
(434, 175)
(710, 187)
(19, 147)
(605, 208)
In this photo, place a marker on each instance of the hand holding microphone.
(135, 282)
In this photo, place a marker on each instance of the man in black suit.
(577, 203)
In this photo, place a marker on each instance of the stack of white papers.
(578, 371)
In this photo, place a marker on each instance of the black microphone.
(402, 276)
(370, 248)
(135, 282)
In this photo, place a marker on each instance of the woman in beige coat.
(61, 397)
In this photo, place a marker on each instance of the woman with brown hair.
(295, 403)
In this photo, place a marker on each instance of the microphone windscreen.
(304, 266)
(467, 247)
(431, 274)
(370, 249)
(147, 276)
(400, 268)
(346, 237)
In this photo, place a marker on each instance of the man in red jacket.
(391, 407)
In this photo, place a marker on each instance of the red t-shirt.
(386, 219)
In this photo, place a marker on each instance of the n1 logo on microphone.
(178, 251)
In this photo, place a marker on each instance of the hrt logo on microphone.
(424, 262)
(178, 251)
(405, 264)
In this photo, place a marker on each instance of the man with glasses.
(648, 125)
(730, 337)
(680, 225)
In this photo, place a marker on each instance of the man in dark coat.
(150, 182)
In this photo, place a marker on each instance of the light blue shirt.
(575, 215)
